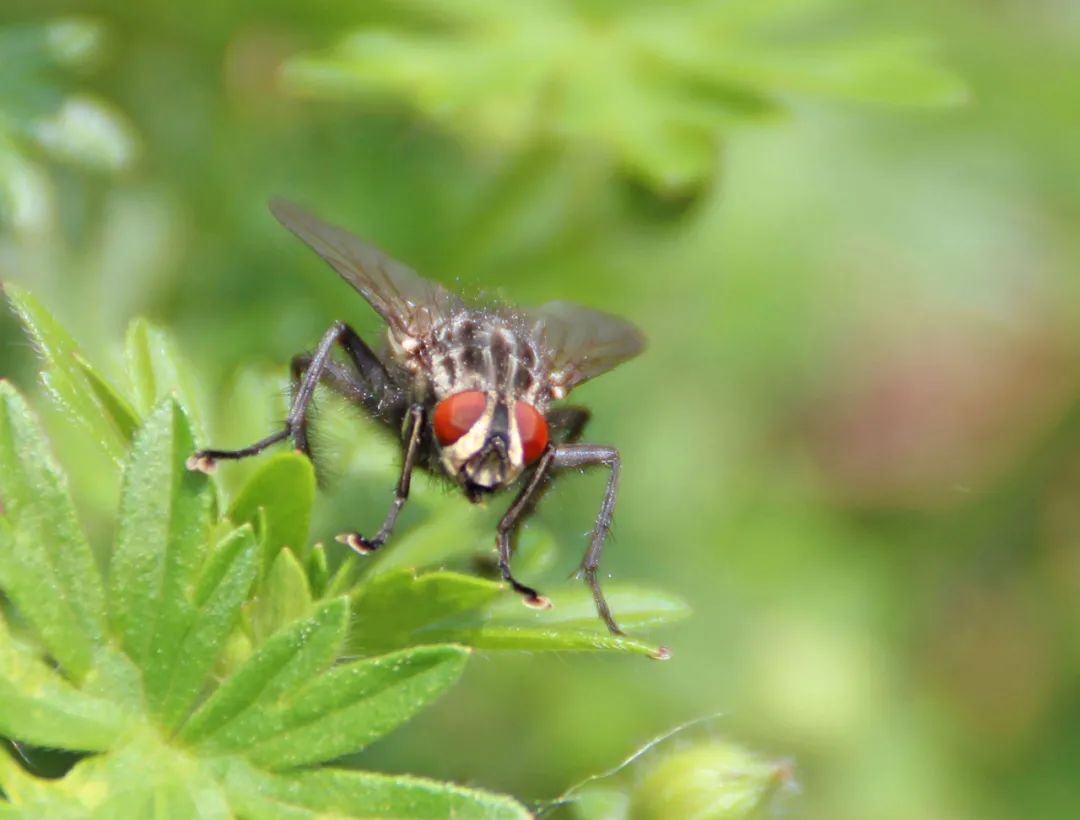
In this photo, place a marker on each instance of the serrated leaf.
(344, 709)
(326, 793)
(292, 656)
(220, 594)
(284, 489)
(400, 609)
(285, 597)
(65, 376)
(154, 371)
(46, 565)
(41, 708)
(162, 532)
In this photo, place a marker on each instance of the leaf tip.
(661, 653)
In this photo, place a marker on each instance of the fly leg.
(588, 455)
(367, 365)
(362, 545)
(522, 506)
(567, 424)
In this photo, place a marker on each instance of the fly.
(469, 390)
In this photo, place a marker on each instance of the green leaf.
(41, 708)
(318, 571)
(451, 533)
(343, 710)
(896, 70)
(142, 778)
(400, 609)
(220, 594)
(46, 565)
(325, 793)
(284, 489)
(84, 398)
(284, 598)
(154, 371)
(572, 623)
(123, 416)
(164, 523)
(294, 655)
(455, 532)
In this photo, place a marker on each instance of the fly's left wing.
(410, 304)
(583, 343)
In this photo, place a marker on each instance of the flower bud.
(715, 780)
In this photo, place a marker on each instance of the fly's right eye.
(455, 416)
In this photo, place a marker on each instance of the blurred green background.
(854, 442)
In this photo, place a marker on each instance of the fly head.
(487, 439)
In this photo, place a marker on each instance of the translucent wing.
(583, 343)
(410, 304)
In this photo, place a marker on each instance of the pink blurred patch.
(927, 421)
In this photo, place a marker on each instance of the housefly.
(469, 390)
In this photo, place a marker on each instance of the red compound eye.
(455, 416)
(533, 429)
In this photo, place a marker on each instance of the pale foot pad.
(201, 464)
(356, 542)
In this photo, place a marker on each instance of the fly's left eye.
(455, 416)
(533, 429)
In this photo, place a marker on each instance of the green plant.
(650, 85)
(210, 661)
(40, 117)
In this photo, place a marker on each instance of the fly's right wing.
(410, 304)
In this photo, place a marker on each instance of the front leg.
(522, 506)
(368, 368)
(559, 457)
(414, 426)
